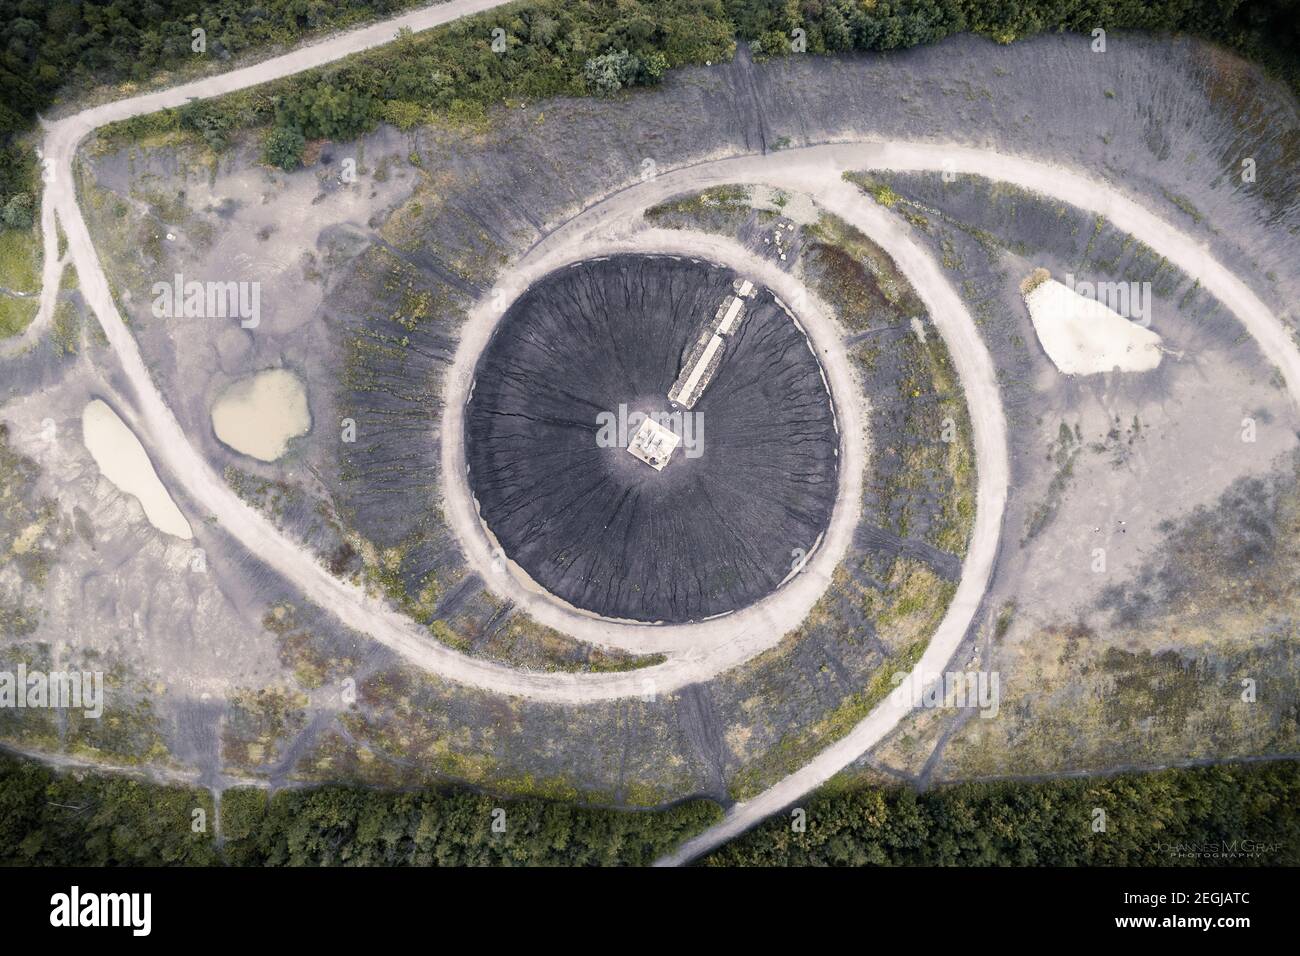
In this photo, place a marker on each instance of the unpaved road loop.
(814, 170)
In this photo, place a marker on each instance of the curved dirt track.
(706, 644)
(815, 170)
(714, 646)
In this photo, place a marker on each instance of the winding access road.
(695, 652)
(601, 227)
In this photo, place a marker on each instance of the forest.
(1241, 814)
(49, 818)
(1226, 815)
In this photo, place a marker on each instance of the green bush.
(610, 72)
(326, 111)
(17, 212)
(402, 113)
(209, 121)
(283, 147)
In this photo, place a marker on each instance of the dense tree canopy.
(1191, 817)
(51, 819)
(1245, 814)
(341, 826)
(58, 819)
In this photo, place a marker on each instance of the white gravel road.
(814, 170)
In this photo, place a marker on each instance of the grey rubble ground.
(1169, 120)
(1140, 580)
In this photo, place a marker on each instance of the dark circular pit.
(749, 489)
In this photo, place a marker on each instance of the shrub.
(283, 147)
(610, 72)
(326, 111)
(208, 121)
(17, 212)
(402, 113)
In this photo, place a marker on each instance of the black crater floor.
(722, 524)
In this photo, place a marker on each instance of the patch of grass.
(721, 209)
(525, 643)
(868, 294)
(855, 276)
(20, 260)
(129, 731)
(1191, 655)
(269, 495)
(29, 532)
(66, 331)
(301, 653)
(798, 747)
(953, 454)
(16, 314)
(1006, 615)
(1184, 204)
(881, 192)
(258, 723)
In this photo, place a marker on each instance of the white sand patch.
(1084, 337)
(123, 461)
(257, 415)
